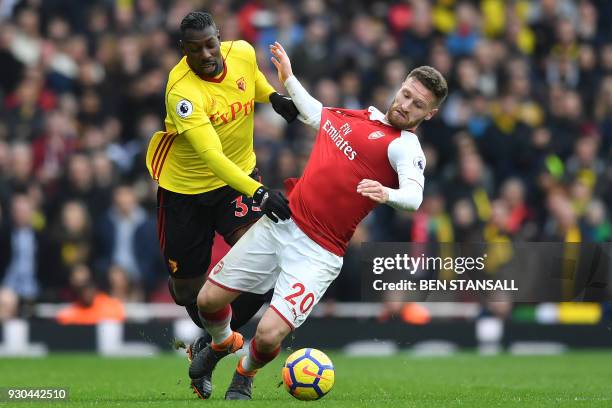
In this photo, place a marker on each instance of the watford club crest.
(173, 265)
(241, 83)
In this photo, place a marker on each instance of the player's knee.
(204, 301)
(183, 292)
(207, 302)
(269, 337)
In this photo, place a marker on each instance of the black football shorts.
(186, 225)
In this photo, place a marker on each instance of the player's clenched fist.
(273, 203)
(373, 190)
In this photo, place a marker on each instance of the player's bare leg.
(271, 331)
(265, 346)
(185, 292)
(192, 309)
(232, 238)
(215, 313)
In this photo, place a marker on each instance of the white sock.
(220, 333)
(250, 364)
(219, 330)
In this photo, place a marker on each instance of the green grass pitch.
(577, 379)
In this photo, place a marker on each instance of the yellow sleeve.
(263, 89)
(206, 143)
(186, 109)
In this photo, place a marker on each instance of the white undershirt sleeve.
(407, 159)
(309, 108)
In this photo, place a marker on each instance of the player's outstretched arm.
(208, 146)
(309, 107)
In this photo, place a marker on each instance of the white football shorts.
(282, 257)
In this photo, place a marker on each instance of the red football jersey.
(349, 147)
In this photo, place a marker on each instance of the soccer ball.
(308, 374)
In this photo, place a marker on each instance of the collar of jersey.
(219, 79)
(375, 114)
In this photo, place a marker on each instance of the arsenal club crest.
(376, 135)
(218, 268)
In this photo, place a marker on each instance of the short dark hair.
(196, 20)
(433, 80)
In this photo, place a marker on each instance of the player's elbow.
(406, 199)
(417, 201)
(313, 122)
(411, 203)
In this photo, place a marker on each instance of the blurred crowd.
(521, 149)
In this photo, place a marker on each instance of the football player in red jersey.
(361, 158)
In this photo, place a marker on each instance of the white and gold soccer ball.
(308, 374)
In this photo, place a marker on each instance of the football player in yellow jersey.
(204, 160)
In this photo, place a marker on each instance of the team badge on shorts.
(184, 108)
(218, 268)
(241, 83)
(173, 265)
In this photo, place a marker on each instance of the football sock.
(242, 371)
(255, 359)
(231, 344)
(217, 324)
